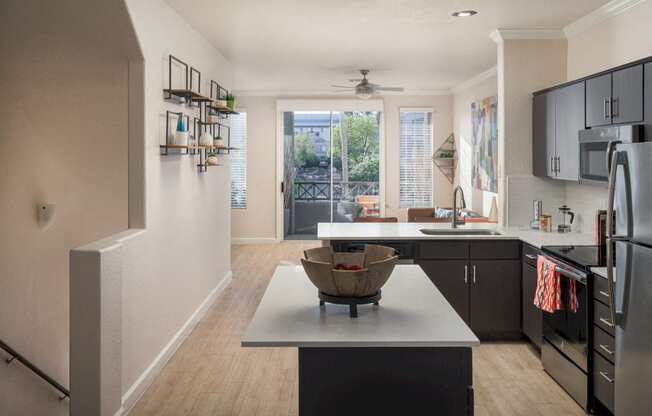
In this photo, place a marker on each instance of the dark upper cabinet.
(615, 98)
(543, 135)
(598, 101)
(451, 279)
(495, 297)
(532, 316)
(557, 118)
(569, 120)
(627, 95)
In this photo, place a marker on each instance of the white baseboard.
(135, 392)
(240, 241)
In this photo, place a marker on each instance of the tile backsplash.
(585, 200)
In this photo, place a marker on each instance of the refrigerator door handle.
(610, 215)
(611, 146)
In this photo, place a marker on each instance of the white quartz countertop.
(412, 313)
(410, 231)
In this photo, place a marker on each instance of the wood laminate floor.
(212, 375)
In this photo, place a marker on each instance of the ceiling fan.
(365, 89)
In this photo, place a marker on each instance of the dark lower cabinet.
(495, 291)
(451, 278)
(485, 293)
(532, 316)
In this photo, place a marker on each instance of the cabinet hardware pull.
(552, 164)
(531, 256)
(558, 164)
(606, 377)
(604, 109)
(466, 274)
(605, 349)
(612, 108)
(474, 274)
(603, 293)
(606, 322)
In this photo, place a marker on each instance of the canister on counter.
(545, 223)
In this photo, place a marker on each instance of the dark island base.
(385, 381)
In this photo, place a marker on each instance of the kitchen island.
(409, 355)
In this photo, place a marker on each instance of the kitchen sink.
(458, 231)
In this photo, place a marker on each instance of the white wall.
(524, 66)
(476, 199)
(169, 270)
(258, 221)
(63, 140)
(612, 42)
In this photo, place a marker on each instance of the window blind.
(239, 161)
(415, 185)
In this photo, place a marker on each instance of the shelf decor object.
(349, 278)
(179, 138)
(445, 158)
(219, 104)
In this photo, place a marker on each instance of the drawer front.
(601, 289)
(494, 250)
(530, 254)
(444, 250)
(602, 318)
(603, 381)
(604, 344)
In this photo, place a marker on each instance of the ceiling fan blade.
(355, 80)
(397, 89)
(348, 87)
(343, 92)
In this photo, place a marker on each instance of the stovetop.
(584, 257)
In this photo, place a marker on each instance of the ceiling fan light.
(465, 13)
(363, 95)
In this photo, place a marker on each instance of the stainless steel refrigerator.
(630, 194)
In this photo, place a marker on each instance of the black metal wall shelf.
(209, 106)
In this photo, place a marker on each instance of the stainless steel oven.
(596, 146)
(564, 352)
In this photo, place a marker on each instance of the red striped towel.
(549, 295)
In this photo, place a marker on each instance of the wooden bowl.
(376, 263)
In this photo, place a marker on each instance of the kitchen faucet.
(455, 221)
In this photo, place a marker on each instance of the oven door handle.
(580, 277)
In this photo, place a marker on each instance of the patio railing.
(321, 191)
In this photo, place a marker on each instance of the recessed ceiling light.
(465, 13)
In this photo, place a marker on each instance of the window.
(415, 158)
(239, 160)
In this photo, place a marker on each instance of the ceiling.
(306, 45)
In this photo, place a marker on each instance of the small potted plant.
(219, 141)
(230, 101)
(211, 158)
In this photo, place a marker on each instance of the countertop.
(410, 231)
(412, 313)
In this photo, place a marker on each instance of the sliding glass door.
(331, 169)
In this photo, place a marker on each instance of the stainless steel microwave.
(596, 147)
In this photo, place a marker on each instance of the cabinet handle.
(604, 109)
(558, 164)
(531, 256)
(606, 322)
(474, 274)
(466, 274)
(606, 377)
(605, 349)
(552, 164)
(603, 293)
(613, 109)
